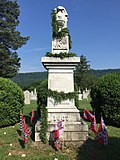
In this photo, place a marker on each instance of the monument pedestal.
(61, 78)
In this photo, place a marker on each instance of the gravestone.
(61, 78)
(33, 95)
(86, 94)
(80, 96)
(26, 97)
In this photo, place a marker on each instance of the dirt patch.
(1, 143)
(18, 152)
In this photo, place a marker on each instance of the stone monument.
(61, 78)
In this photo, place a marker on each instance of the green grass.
(28, 108)
(85, 104)
(90, 150)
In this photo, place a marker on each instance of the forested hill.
(99, 73)
(25, 80)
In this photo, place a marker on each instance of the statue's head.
(61, 17)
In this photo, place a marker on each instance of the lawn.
(12, 142)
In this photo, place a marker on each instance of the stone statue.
(61, 17)
(61, 44)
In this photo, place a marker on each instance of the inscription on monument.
(58, 118)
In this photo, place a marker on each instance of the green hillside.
(99, 73)
(25, 80)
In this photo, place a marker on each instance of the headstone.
(33, 95)
(35, 92)
(80, 96)
(86, 94)
(26, 97)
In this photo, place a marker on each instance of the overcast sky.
(94, 27)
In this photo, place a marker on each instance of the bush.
(105, 95)
(11, 102)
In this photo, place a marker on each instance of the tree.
(10, 38)
(105, 95)
(11, 102)
(81, 73)
(87, 81)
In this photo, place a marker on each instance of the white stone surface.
(86, 94)
(26, 97)
(60, 78)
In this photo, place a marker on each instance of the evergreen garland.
(42, 111)
(62, 33)
(44, 124)
(61, 96)
(61, 55)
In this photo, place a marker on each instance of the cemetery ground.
(12, 143)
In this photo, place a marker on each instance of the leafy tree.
(105, 94)
(11, 102)
(81, 72)
(10, 38)
(87, 81)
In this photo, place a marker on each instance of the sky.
(94, 27)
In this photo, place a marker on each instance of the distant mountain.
(99, 73)
(26, 80)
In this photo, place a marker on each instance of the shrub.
(11, 102)
(105, 95)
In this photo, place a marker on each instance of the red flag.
(32, 116)
(93, 125)
(56, 134)
(57, 144)
(102, 135)
(26, 132)
(87, 115)
(58, 130)
(25, 137)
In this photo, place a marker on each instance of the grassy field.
(12, 142)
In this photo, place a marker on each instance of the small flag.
(87, 115)
(56, 134)
(102, 135)
(93, 125)
(57, 144)
(25, 137)
(32, 116)
(59, 129)
(26, 132)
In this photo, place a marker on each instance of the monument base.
(61, 79)
(73, 132)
